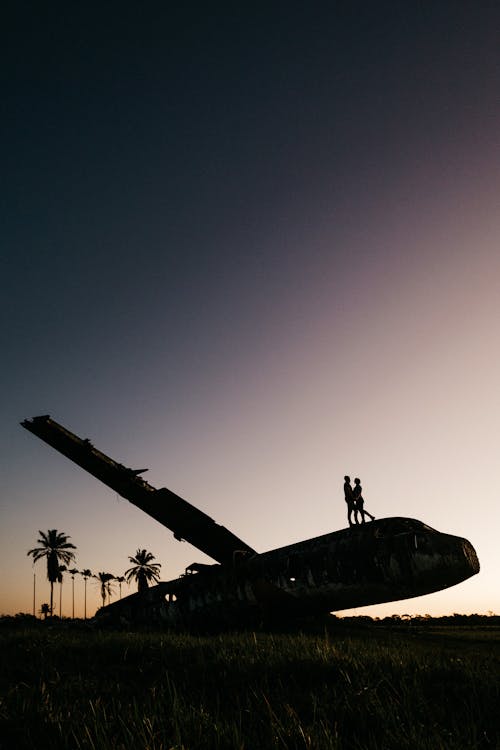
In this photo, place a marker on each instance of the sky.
(253, 248)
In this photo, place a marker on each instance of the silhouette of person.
(349, 498)
(359, 502)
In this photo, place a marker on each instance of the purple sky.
(252, 251)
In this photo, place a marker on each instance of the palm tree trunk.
(73, 595)
(52, 598)
(85, 601)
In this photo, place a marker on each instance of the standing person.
(349, 498)
(359, 502)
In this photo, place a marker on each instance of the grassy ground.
(345, 689)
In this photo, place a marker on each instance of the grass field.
(346, 688)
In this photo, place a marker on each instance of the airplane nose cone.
(442, 561)
(461, 559)
(470, 557)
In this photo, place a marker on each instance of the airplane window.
(293, 565)
(422, 542)
(401, 526)
(398, 526)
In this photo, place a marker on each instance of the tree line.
(54, 546)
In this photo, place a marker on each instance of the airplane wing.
(186, 521)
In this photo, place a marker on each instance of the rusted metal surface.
(385, 560)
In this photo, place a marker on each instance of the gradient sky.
(254, 250)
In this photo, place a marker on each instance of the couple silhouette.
(355, 502)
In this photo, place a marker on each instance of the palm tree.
(120, 580)
(109, 587)
(55, 547)
(104, 583)
(62, 569)
(72, 573)
(45, 610)
(143, 570)
(86, 574)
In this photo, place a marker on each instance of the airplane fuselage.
(386, 560)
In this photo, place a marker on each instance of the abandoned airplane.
(386, 560)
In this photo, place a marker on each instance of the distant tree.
(143, 570)
(45, 610)
(55, 547)
(86, 573)
(104, 584)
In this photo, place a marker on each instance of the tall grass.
(246, 691)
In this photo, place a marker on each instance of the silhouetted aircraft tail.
(186, 521)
